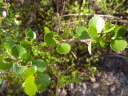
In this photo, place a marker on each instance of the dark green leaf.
(40, 65)
(82, 33)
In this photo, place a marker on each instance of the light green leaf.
(64, 48)
(46, 29)
(93, 33)
(118, 44)
(29, 72)
(82, 33)
(18, 50)
(48, 38)
(97, 22)
(30, 86)
(109, 27)
(40, 64)
(25, 44)
(120, 32)
(18, 69)
(90, 48)
(102, 44)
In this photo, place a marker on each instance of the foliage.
(61, 55)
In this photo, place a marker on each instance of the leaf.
(40, 64)
(43, 79)
(30, 34)
(48, 38)
(27, 57)
(120, 32)
(118, 44)
(2, 4)
(29, 72)
(109, 27)
(64, 48)
(102, 43)
(46, 29)
(18, 50)
(97, 22)
(93, 33)
(41, 88)
(4, 66)
(82, 33)
(8, 44)
(90, 48)
(18, 69)
(30, 86)
(25, 44)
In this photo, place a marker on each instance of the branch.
(90, 14)
(69, 40)
(80, 40)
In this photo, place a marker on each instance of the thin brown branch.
(90, 14)
(69, 40)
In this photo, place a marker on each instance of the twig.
(69, 40)
(74, 40)
(90, 14)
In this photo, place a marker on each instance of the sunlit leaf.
(30, 86)
(29, 72)
(97, 22)
(64, 48)
(118, 44)
(120, 31)
(46, 29)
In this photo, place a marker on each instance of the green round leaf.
(18, 50)
(25, 44)
(18, 69)
(41, 88)
(48, 38)
(120, 32)
(40, 65)
(97, 22)
(30, 86)
(118, 44)
(82, 33)
(43, 79)
(64, 48)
